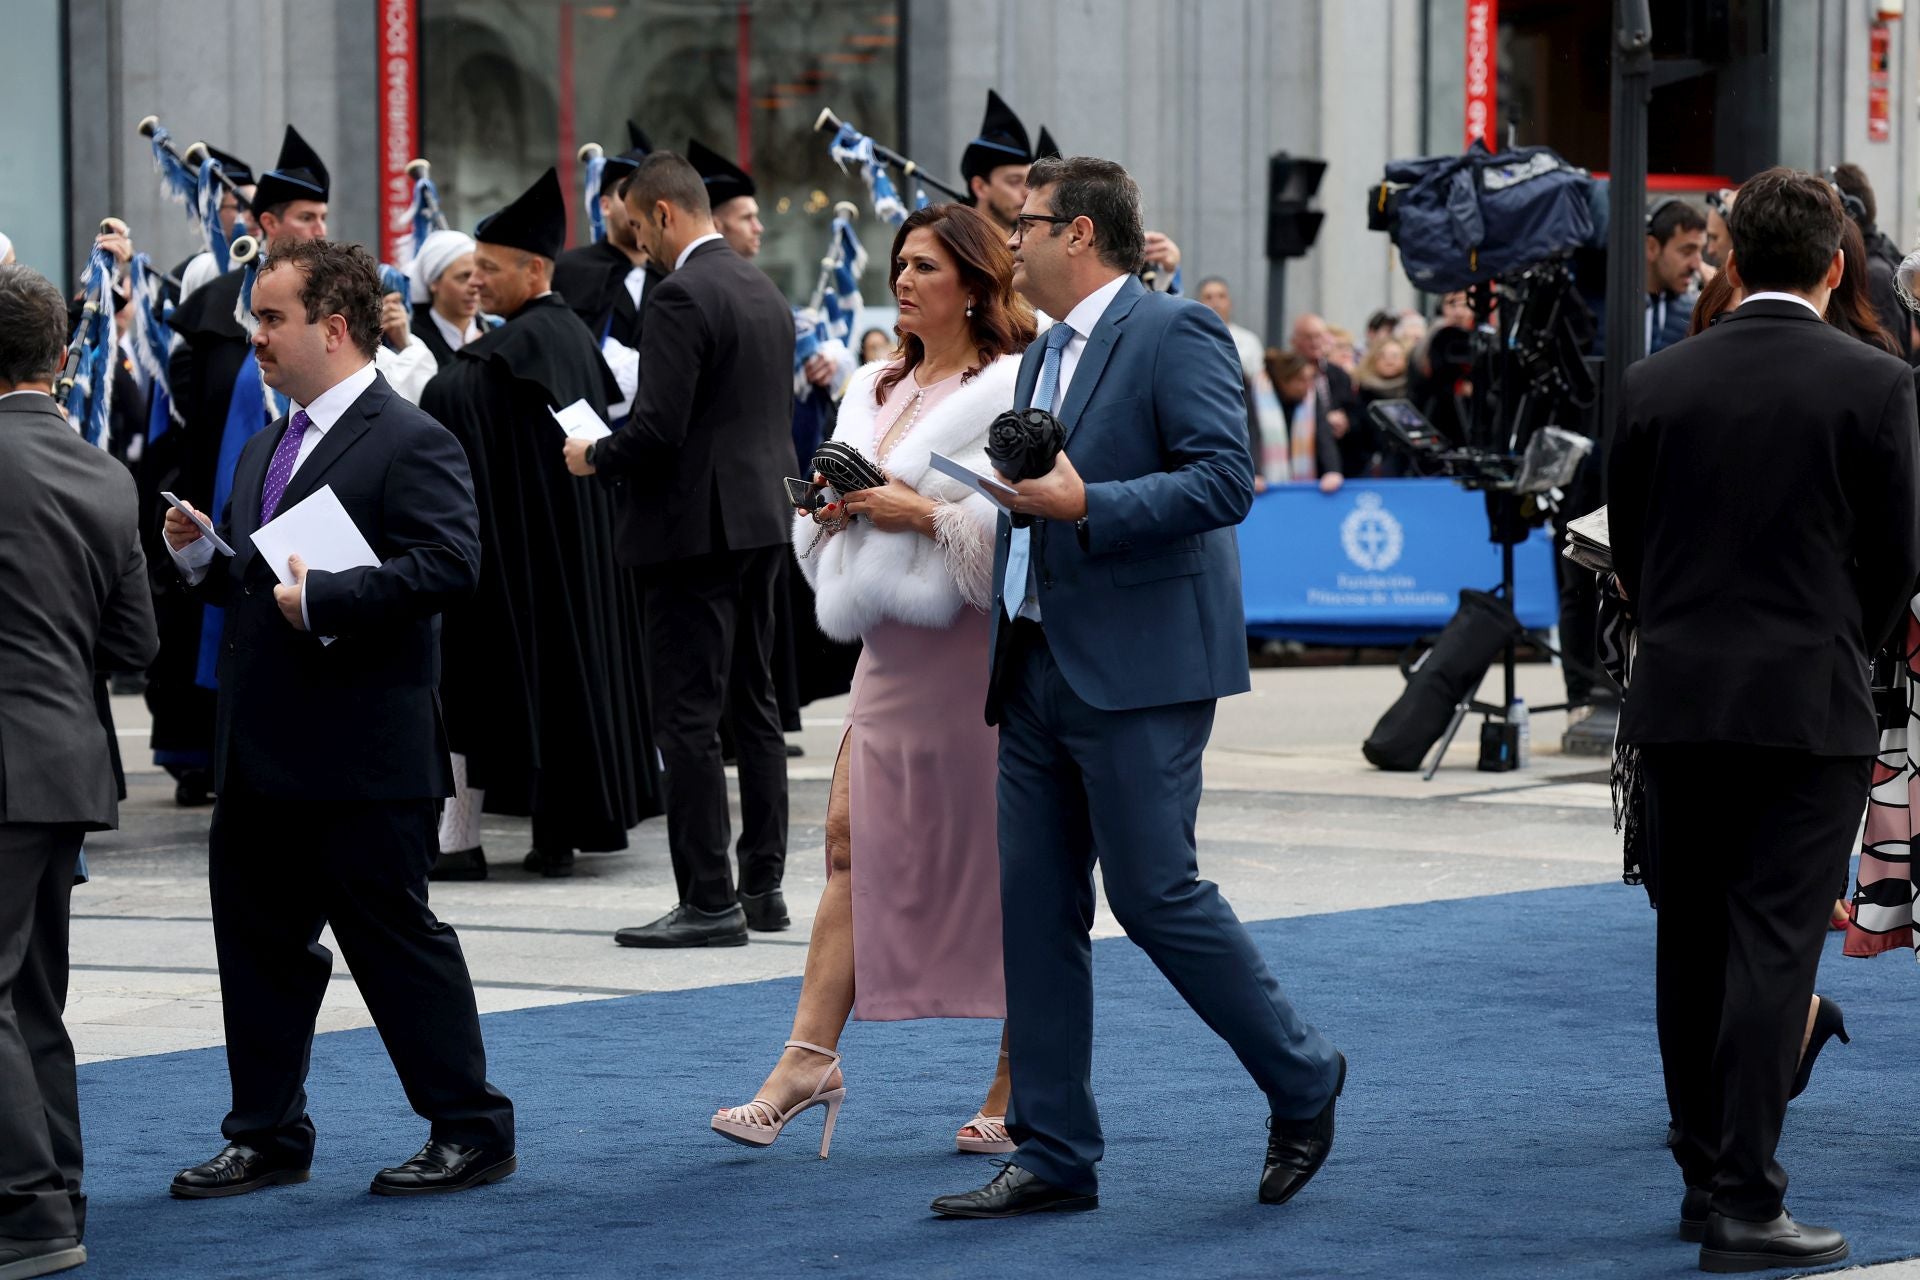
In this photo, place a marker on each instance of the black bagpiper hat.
(535, 222)
(725, 180)
(299, 174)
(1002, 140)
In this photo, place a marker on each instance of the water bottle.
(1523, 732)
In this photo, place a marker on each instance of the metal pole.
(1627, 203)
(1276, 302)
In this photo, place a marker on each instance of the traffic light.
(1291, 226)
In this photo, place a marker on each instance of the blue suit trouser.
(1079, 784)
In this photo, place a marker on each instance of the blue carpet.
(1503, 1118)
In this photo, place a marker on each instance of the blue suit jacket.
(1147, 612)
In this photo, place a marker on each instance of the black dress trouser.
(710, 625)
(40, 1162)
(279, 872)
(1750, 842)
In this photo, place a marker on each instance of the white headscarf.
(435, 256)
(6, 248)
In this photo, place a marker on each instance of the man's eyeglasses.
(1025, 222)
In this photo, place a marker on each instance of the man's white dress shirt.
(1084, 316)
(326, 409)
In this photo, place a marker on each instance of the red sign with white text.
(399, 124)
(1879, 85)
(1483, 72)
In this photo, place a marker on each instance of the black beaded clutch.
(846, 469)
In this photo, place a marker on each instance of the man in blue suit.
(1117, 624)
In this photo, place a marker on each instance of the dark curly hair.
(1002, 321)
(338, 280)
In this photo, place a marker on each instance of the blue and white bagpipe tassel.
(152, 340)
(846, 261)
(87, 384)
(176, 180)
(830, 314)
(424, 214)
(595, 168)
(850, 146)
(207, 197)
(920, 200)
(393, 280)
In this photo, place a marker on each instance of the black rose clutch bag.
(1023, 444)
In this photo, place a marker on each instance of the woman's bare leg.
(826, 990)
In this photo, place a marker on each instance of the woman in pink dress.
(909, 925)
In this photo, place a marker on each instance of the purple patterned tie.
(280, 470)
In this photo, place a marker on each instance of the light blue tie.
(1018, 547)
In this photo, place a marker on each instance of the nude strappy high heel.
(760, 1122)
(993, 1139)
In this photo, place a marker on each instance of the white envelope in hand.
(319, 531)
(580, 422)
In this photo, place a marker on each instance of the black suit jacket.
(1762, 488)
(74, 604)
(710, 436)
(358, 719)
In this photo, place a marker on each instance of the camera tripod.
(1522, 362)
(1506, 737)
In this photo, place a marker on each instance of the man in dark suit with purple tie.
(329, 752)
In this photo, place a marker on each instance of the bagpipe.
(424, 213)
(593, 164)
(834, 307)
(850, 146)
(85, 388)
(197, 181)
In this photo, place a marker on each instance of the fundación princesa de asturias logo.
(1370, 535)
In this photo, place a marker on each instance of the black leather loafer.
(24, 1259)
(1013, 1192)
(686, 926)
(461, 864)
(554, 864)
(443, 1167)
(1297, 1148)
(235, 1171)
(1733, 1244)
(765, 912)
(1694, 1207)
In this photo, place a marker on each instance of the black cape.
(593, 280)
(542, 679)
(183, 461)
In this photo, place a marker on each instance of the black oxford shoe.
(765, 912)
(1013, 1192)
(441, 1167)
(461, 864)
(1733, 1244)
(23, 1259)
(1694, 1207)
(554, 864)
(686, 926)
(1297, 1148)
(235, 1171)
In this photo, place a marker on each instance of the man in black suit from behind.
(329, 753)
(704, 520)
(74, 605)
(1764, 527)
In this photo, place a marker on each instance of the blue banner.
(1381, 561)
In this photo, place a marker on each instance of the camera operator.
(1676, 235)
(1442, 375)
